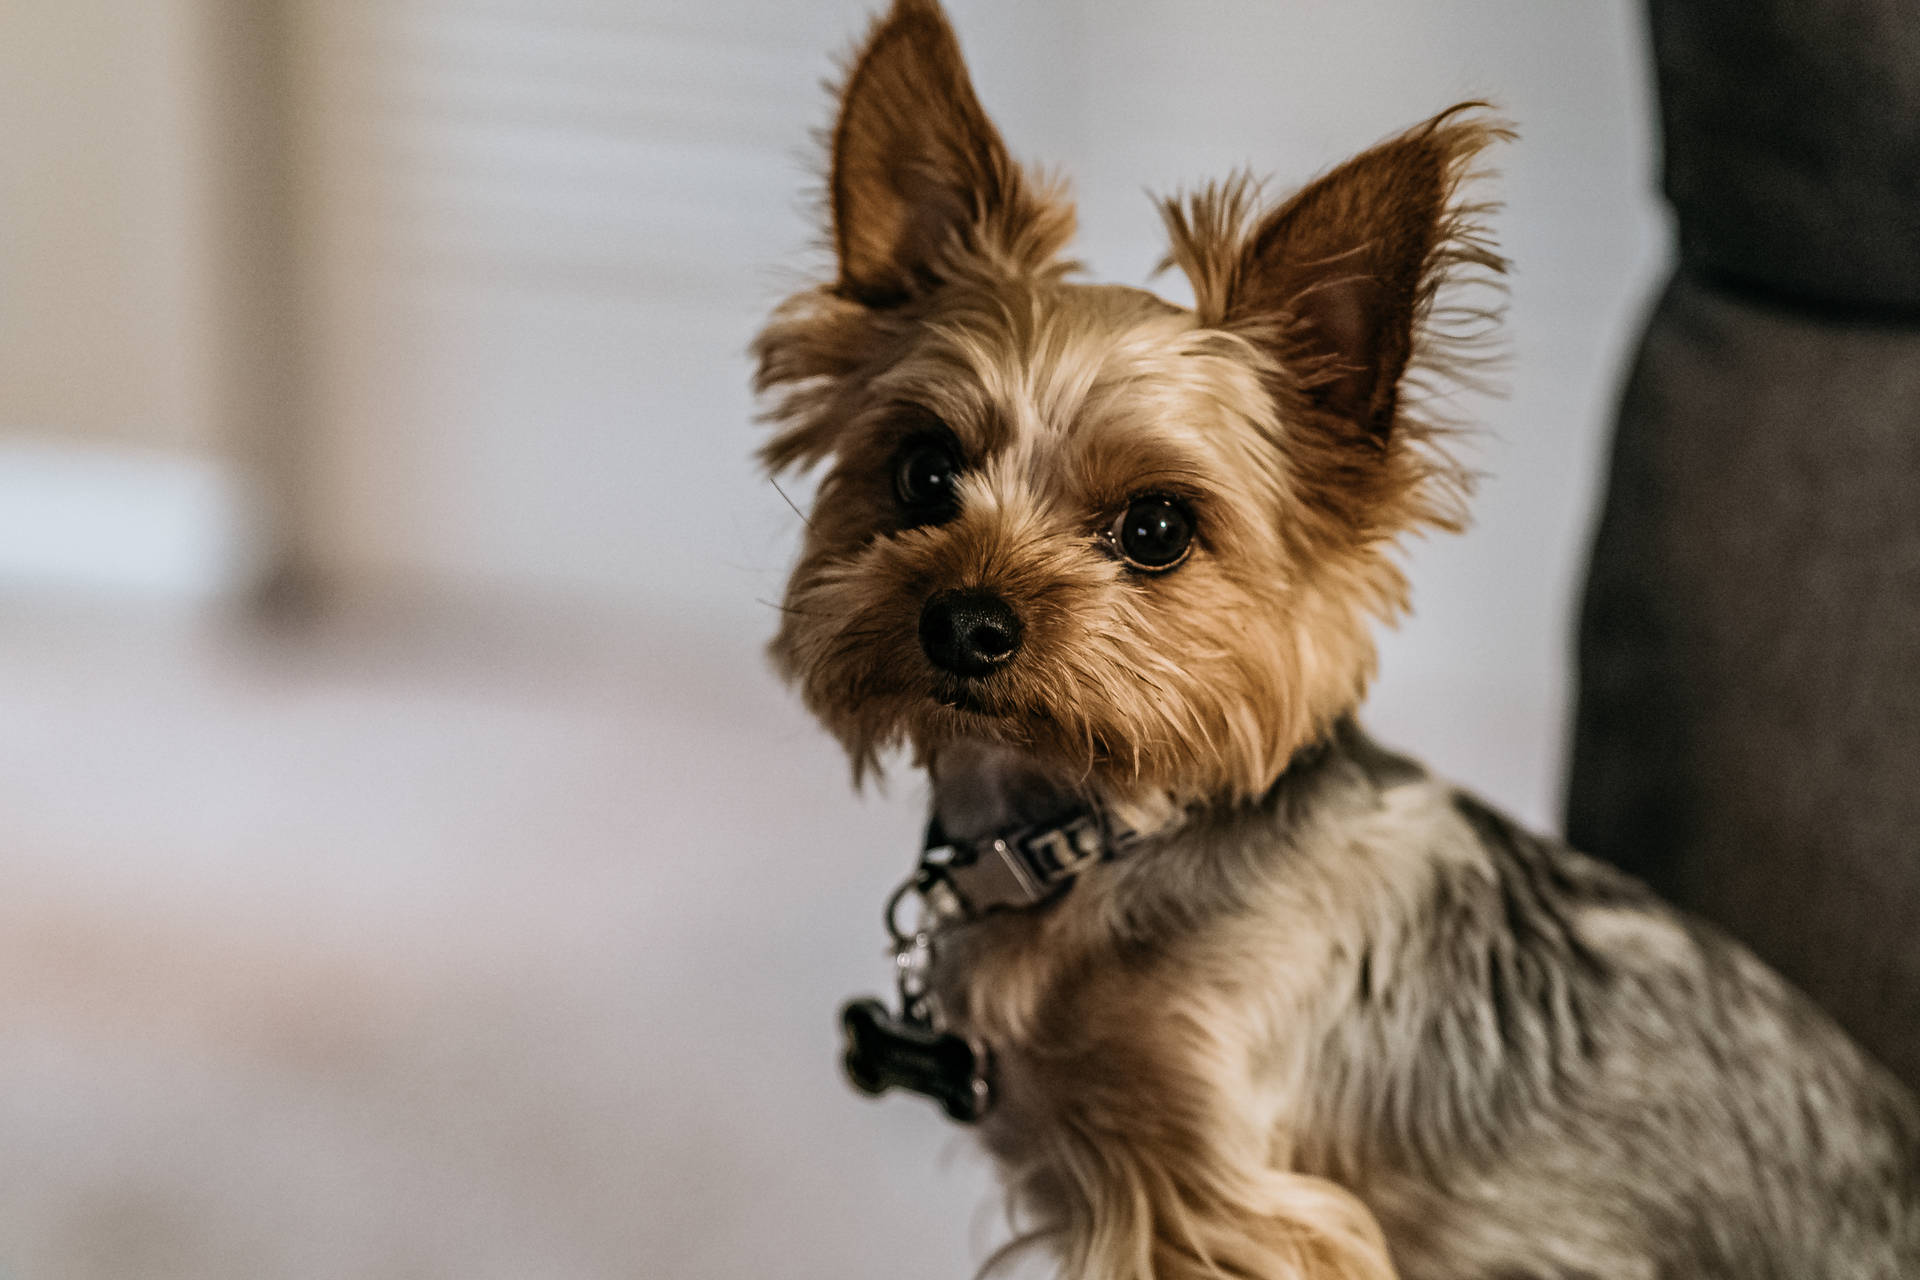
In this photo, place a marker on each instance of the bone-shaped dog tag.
(885, 1052)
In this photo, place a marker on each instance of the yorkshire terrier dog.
(1231, 990)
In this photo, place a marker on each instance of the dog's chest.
(1094, 1041)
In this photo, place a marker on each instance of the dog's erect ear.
(1340, 277)
(920, 180)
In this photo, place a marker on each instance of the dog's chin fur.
(1327, 994)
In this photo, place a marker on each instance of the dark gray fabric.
(1747, 736)
(1792, 143)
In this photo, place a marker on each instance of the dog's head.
(1142, 543)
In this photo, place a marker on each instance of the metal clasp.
(1062, 851)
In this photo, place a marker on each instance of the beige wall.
(106, 299)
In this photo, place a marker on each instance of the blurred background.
(410, 868)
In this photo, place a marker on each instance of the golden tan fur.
(1275, 410)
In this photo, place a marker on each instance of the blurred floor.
(422, 948)
(441, 942)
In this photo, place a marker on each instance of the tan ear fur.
(1338, 280)
(920, 179)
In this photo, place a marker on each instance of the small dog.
(1259, 998)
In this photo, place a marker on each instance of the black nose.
(969, 632)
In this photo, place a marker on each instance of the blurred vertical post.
(264, 406)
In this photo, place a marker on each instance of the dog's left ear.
(1338, 279)
(921, 182)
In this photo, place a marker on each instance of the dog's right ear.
(922, 188)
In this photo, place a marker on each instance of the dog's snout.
(969, 633)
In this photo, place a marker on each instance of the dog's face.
(1143, 544)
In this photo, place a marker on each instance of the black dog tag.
(885, 1052)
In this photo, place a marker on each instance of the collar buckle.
(1019, 869)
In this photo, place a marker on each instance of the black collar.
(967, 879)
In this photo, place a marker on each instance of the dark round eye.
(1154, 533)
(923, 476)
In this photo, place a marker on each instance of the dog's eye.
(924, 472)
(1154, 533)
